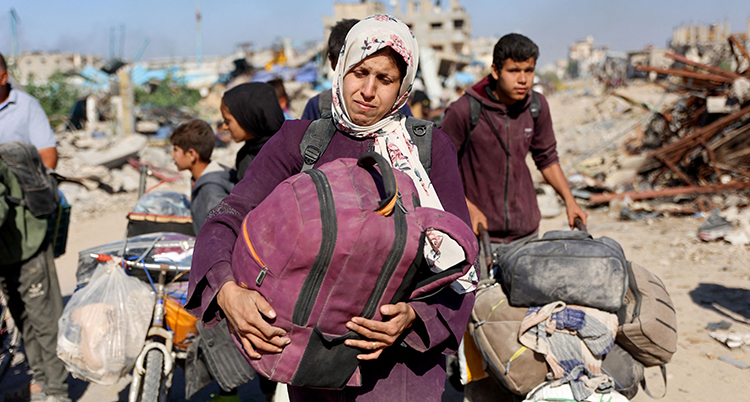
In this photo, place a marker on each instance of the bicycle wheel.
(152, 378)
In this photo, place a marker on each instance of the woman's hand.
(245, 309)
(397, 318)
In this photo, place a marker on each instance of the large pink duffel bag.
(337, 242)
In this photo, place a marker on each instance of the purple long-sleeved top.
(415, 372)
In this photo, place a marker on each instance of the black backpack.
(40, 194)
(325, 101)
(320, 132)
(476, 108)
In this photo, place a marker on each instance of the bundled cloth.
(573, 340)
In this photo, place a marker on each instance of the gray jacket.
(211, 187)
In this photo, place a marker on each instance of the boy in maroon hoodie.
(499, 190)
(498, 185)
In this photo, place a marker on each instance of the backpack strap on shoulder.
(325, 100)
(476, 108)
(315, 141)
(535, 107)
(421, 135)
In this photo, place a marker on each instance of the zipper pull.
(400, 203)
(261, 276)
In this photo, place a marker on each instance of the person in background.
(499, 190)
(192, 145)
(420, 105)
(251, 114)
(320, 104)
(278, 85)
(31, 283)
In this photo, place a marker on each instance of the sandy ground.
(695, 273)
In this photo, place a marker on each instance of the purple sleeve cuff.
(442, 319)
(207, 290)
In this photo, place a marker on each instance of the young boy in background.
(193, 142)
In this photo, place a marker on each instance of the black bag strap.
(475, 107)
(421, 135)
(325, 103)
(663, 376)
(535, 107)
(320, 133)
(315, 141)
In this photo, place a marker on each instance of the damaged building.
(41, 65)
(445, 30)
(444, 35)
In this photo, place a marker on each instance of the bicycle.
(154, 366)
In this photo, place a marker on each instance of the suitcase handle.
(370, 159)
(578, 223)
(484, 242)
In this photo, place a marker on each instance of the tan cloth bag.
(493, 327)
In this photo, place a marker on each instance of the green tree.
(168, 92)
(56, 96)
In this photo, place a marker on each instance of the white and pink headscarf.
(392, 140)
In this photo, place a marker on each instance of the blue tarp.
(141, 75)
(306, 73)
(96, 79)
(464, 78)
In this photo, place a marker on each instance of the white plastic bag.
(103, 327)
(547, 393)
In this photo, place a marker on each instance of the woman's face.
(370, 89)
(230, 124)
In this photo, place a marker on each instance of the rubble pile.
(691, 156)
(102, 170)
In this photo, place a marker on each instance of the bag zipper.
(256, 257)
(314, 280)
(391, 262)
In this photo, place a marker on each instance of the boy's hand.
(477, 217)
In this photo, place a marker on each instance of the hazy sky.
(84, 25)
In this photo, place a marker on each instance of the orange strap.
(250, 244)
(388, 208)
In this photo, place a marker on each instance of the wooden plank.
(687, 74)
(712, 69)
(739, 46)
(667, 192)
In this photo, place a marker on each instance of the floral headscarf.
(392, 140)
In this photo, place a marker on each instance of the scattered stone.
(146, 126)
(548, 202)
(734, 362)
(713, 326)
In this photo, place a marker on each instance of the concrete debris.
(696, 144)
(147, 126)
(736, 363)
(740, 90)
(549, 203)
(118, 153)
(732, 339)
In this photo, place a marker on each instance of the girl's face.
(230, 124)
